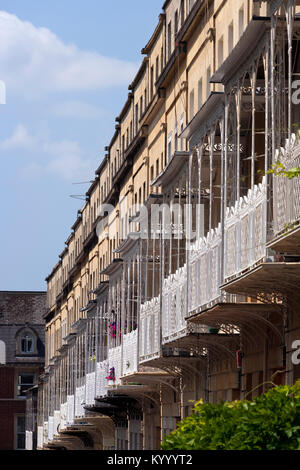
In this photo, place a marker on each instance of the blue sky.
(66, 65)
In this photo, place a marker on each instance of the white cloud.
(32, 171)
(68, 160)
(20, 139)
(35, 60)
(63, 158)
(77, 110)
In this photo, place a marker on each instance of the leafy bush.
(269, 422)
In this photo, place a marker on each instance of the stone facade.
(137, 328)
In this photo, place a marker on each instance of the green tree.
(268, 422)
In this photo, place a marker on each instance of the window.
(220, 52)
(175, 24)
(241, 21)
(151, 82)
(192, 96)
(26, 342)
(20, 433)
(200, 93)
(141, 107)
(63, 331)
(169, 39)
(182, 12)
(157, 68)
(169, 146)
(230, 37)
(208, 76)
(25, 381)
(136, 118)
(176, 139)
(181, 129)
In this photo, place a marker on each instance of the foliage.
(269, 422)
(278, 169)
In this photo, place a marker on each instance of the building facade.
(179, 280)
(22, 355)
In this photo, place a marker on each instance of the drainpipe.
(86, 358)
(138, 303)
(221, 279)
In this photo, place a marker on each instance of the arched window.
(26, 342)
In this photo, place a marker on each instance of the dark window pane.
(21, 441)
(27, 379)
(21, 424)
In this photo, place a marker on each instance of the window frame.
(16, 433)
(24, 373)
(19, 339)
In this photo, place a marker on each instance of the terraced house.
(201, 300)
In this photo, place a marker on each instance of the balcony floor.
(194, 341)
(248, 318)
(145, 378)
(272, 278)
(175, 366)
(287, 242)
(132, 390)
(232, 312)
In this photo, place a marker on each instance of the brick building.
(22, 354)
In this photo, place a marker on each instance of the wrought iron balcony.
(102, 372)
(130, 353)
(174, 303)
(205, 257)
(286, 198)
(246, 232)
(149, 330)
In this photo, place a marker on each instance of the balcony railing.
(245, 231)
(90, 389)
(114, 362)
(149, 330)
(130, 362)
(70, 409)
(174, 305)
(101, 382)
(63, 415)
(56, 422)
(287, 191)
(79, 401)
(45, 432)
(50, 428)
(40, 437)
(205, 269)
